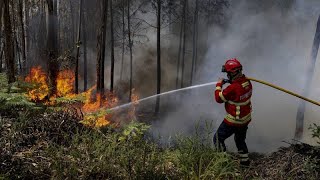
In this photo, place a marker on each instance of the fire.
(94, 106)
(38, 78)
(135, 102)
(95, 109)
(65, 83)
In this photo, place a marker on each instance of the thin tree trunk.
(104, 46)
(9, 52)
(112, 48)
(306, 92)
(195, 42)
(26, 37)
(123, 38)
(130, 47)
(1, 8)
(72, 24)
(158, 56)
(23, 37)
(1, 54)
(53, 64)
(15, 38)
(101, 48)
(78, 50)
(180, 44)
(184, 42)
(85, 61)
(1, 37)
(18, 52)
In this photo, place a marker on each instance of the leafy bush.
(109, 155)
(315, 129)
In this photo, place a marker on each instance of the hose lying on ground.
(285, 90)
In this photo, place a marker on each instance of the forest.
(83, 87)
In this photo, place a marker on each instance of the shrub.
(315, 129)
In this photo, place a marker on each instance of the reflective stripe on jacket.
(237, 99)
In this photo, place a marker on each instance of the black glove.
(224, 81)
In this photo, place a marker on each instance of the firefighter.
(237, 99)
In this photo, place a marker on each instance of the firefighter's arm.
(225, 95)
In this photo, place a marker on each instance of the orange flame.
(135, 102)
(65, 83)
(93, 102)
(38, 78)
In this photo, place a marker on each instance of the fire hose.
(285, 90)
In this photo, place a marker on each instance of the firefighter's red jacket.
(237, 99)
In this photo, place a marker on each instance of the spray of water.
(164, 93)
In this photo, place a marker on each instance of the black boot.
(245, 164)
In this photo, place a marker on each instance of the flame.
(99, 104)
(38, 78)
(65, 83)
(94, 106)
(135, 102)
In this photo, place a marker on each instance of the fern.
(71, 99)
(12, 95)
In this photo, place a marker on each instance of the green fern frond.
(9, 100)
(71, 100)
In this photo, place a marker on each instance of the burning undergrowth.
(91, 105)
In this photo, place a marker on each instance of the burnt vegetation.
(63, 64)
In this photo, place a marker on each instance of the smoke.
(273, 44)
(271, 38)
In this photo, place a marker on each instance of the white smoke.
(274, 45)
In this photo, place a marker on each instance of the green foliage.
(56, 146)
(79, 98)
(198, 160)
(98, 155)
(11, 96)
(315, 129)
(133, 132)
(10, 100)
(3, 82)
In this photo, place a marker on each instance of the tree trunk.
(130, 48)
(184, 41)
(101, 48)
(78, 50)
(9, 52)
(15, 38)
(180, 44)
(195, 42)
(72, 31)
(1, 8)
(23, 37)
(158, 56)
(26, 37)
(1, 55)
(1, 32)
(306, 92)
(53, 64)
(112, 48)
(123, 38)
(85, 61)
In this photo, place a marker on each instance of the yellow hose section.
(285, 90)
